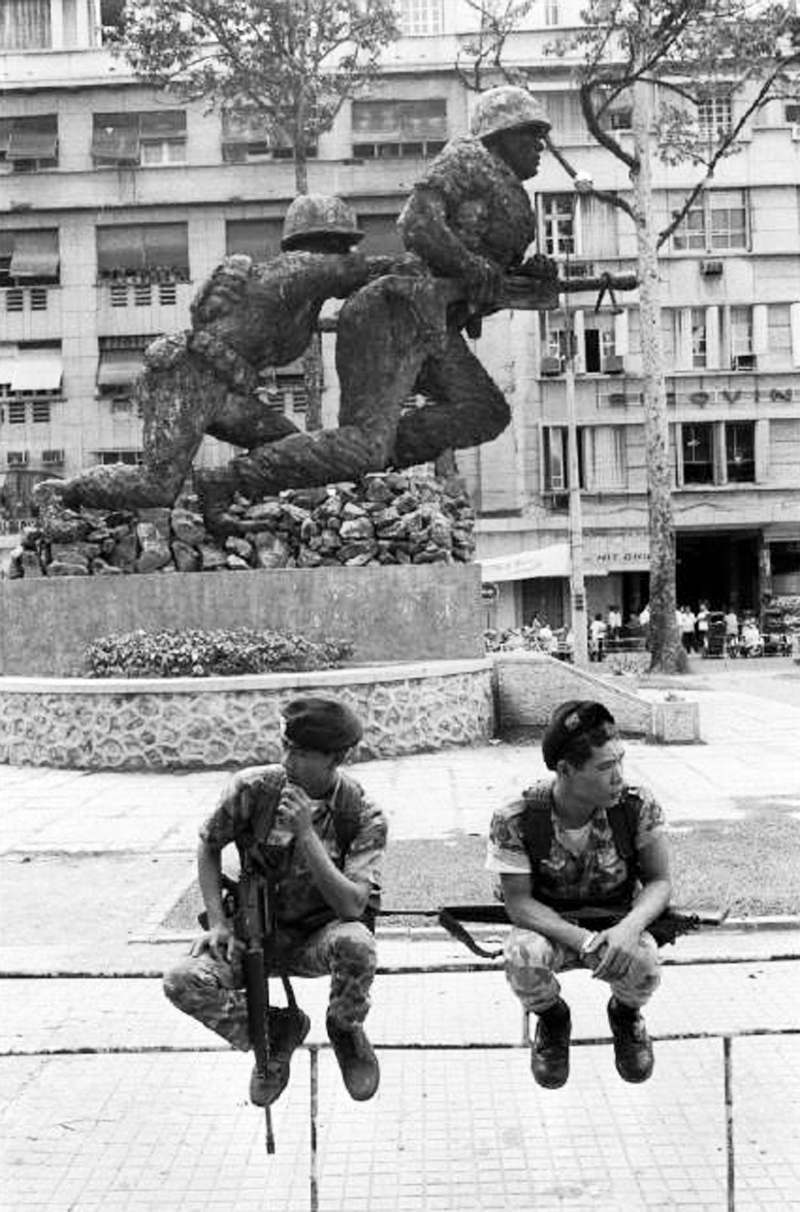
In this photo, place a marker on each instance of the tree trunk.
(312, 358)
(664, 636)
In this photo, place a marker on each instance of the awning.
(37, 373)
(119, 367)
(551, 561)
(28, 142)
(35, 255)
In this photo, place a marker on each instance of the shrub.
(199, 654)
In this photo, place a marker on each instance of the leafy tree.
(679, 65)
(289, 64)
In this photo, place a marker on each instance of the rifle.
(664, 929)
(256, 920)
(526, 292)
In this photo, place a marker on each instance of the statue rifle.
(529, 292)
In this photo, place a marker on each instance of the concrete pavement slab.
(449, 1129)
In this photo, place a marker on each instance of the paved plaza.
(114, 1102)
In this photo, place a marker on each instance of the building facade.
(117, 203)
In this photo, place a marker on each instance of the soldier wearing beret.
(582, 840)
(329, 841)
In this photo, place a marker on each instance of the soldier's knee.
(526, 949)
(177, 980)
(354, 944)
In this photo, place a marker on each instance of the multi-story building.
(117, 202)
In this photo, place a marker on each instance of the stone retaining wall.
(185, 723)
(411, 613)
(530, 684)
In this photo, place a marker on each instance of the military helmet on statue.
(506, 107)
(314, 216)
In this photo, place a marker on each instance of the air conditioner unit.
(614, 364)
(711, 269)
(556, 500)
(744, 361)
(17, 458)
(551, 366)
(52, 458)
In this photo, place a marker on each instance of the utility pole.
(577, 587)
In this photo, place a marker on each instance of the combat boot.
(550, 1050)
(357, 1060)
(216, 488)
(633, 1051)
(287, 1029)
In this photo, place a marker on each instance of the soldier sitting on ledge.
(582, 840)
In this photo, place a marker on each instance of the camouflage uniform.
(586, 873)
(308, 939)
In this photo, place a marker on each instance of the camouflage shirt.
(583, 865)
(256, 791)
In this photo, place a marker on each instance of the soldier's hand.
(617, 947)
(296, 809)
(484, 282)
(539, 266)
(220, 941)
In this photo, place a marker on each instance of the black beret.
(323, 724)
(569, 720)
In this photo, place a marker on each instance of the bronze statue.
(466, 225)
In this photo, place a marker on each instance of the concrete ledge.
(208, 723)
(529, 684)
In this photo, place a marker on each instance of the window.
(699, 338)
(256, 238)
(381, 235)
(247, 136)
(551, 12)
(30, 370)
(144, 253)
(157, 137)
(741, 334)
(714, 117)
(619, 114)
(728, 218)
(29, 145)
(791, 112)
(740, 451)
(388, 129)
(606, 454)
(598, 344)
(593, 347)
(698, 453)
(25, 25)
(120, 362)
(419, 18)
(131, 457)
(28, 258)
(555, 453)
(558, 225)
(716, 220)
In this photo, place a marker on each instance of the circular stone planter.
(208, 723)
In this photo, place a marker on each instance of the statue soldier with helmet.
(467, 224)
(248, 316)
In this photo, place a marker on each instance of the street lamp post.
(577, 587)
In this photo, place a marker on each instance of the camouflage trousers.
(531, 962)
(212, 990)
